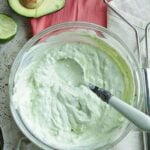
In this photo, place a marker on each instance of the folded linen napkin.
(137, 13)
(75, 10)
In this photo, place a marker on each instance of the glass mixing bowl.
(53, 35)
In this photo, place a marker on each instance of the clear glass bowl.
(52, 35)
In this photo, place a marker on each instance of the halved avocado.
(36, 8)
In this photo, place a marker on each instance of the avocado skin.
(47, 7)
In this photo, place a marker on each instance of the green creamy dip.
(61, 113)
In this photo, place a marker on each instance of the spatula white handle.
(139, 118)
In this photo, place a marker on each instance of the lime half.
(8, 27)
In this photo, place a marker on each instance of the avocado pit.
(31, 4)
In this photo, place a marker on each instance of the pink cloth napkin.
(94, 11)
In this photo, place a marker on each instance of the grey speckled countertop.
(8, 51)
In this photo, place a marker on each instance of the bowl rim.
(30, 43)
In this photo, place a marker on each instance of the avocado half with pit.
(36, 8)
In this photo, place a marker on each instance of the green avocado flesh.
(57, 111)
(46, 7)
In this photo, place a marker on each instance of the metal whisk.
(146, 67)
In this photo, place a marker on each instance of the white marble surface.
(13, 138)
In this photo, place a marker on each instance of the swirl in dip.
(65, 115)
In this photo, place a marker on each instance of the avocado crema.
(36, 8)
(68, 116)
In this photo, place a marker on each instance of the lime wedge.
(8, 27)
